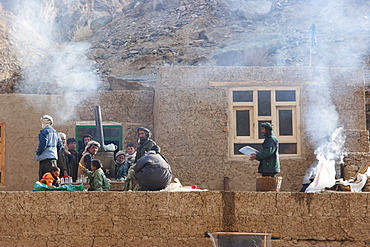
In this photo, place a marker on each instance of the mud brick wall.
(191, 120)
(57, 218)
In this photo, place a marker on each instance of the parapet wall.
(57, 218)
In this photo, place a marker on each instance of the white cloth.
(359, 184)
(325, 176)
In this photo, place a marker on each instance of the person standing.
(62, 161)
(91, 150)
(269, 156)
(145, 143)
(85, 139)
(73, 157)
(88, 155)
(120, 168)
(130, 155)
(49, 144)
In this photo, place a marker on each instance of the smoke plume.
(51, 64)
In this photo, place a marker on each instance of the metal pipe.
(99, 126)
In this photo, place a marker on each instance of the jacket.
(49, 144)
(153, 172)
(143, 148)
(98, 180)
(269, 156)
(49, 180)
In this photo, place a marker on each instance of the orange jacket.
(48, 179)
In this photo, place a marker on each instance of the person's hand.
(81, 167)
(253, 157)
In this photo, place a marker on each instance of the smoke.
(51, 64)
(342, 31)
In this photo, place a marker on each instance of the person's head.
(92, 147)
(63, 137)
(95, 165)
(130, 148)
(86, 139)
(71, 143)
(120, 157)
(143, 133)
(266, 128)
(55, 171)
(46, 121)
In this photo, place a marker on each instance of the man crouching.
(152, 172)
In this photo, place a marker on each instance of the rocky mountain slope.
(131, 39)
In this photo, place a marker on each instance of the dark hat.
(267, 126)
(69, 140)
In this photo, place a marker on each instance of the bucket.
(107, 159)
(268, 183)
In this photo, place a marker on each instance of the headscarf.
(46, 121)
(91, 143)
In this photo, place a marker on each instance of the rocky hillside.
(131, 39)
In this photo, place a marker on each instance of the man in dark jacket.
(269, 156)
(152, 172)
(73, 157)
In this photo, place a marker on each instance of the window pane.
(287, 148)
(238, 146)
(111, 132)
(285, 122)
(242, 123)
(264, 103)
(260, 135)
(285, 95)
(242, 96)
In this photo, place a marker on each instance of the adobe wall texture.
(57, 218)
(21, 115)
(190, 121)
(192, 126)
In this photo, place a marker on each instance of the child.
(97, 179)
(51, 178)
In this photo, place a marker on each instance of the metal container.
(107, 159)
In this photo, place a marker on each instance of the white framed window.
(251, 106)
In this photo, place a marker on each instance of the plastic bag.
(67, 187)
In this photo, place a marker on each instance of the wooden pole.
(226, 184)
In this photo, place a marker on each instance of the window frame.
(90, 125)
(274, 118)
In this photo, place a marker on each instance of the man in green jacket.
(269, 156)
(145, 143)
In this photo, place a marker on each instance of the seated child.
(51, 178)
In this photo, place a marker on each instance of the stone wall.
(192, 126)
(56, 218)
